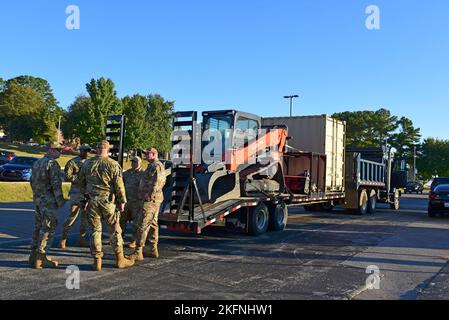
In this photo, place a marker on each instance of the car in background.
(414, 187)
(18, 169)
(3, 160)
(7, 155)
(437, 181)
(439, 200)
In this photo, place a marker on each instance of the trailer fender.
(351, 199)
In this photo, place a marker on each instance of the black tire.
(258, 220)
(395, 205)
(431, 213)
(327, 206)
(363, 203)
(372, 204)
(278, 217)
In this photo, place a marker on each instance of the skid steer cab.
(227, 170)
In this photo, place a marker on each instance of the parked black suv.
(439, 200)
(437, 181)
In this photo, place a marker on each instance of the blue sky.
(208, 54)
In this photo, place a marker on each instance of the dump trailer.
(370, 179)
(362, 176)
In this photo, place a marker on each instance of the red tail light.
(434, 196)
(9, 157)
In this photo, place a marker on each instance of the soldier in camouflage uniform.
(150, 192)
(72, 170)
(131, 178)
(101, 182)
(46, 183)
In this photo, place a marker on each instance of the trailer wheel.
(395, 203)
(363, 203)
(278, 217)
(327, 206)
(372, 203)
(258, 220)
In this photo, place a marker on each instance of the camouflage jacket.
(46, 182)
(72, 170)
(102, 178)
(152, 182)
(132, 178)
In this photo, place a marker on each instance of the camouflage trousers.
(132, 212)
(75, 210)
(45, 222)
(99, 210)
(147, 225)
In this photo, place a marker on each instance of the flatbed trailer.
(244, 212)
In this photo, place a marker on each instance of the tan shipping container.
(318, 134)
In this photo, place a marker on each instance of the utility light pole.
(59, 130)
(291, 102)
(414, 163)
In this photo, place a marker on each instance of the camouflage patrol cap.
(55, 145)
(136, 159)
(85, 147)
(104, 145)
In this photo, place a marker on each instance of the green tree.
(406, 139)
(23, 114)
(368, 128)
(28, 109)
(138, 133)
(104, 103)
(160, 119)
(76, 122)
(43, 88)
(433, 159)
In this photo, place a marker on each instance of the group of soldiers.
(100, 192)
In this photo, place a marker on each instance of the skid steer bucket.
(218, 186)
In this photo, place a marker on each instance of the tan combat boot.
(122, 262)
(63, 244)
(32, 258)
(97, 264)
(137, 254)
(153, 253)
(43, 262)
(82, 243)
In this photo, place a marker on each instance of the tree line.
(29, 110)
(377, 128)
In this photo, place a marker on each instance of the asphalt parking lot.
(318, 256)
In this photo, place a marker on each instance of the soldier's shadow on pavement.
(15, 264)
